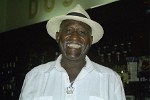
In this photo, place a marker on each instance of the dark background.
(123, 21)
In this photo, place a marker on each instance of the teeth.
(74, 45)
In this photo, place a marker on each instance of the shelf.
(145, 74)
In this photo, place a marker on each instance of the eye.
(68, 30)
(82, 32)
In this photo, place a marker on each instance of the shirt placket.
(70, 89)
(71, 94)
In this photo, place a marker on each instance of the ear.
(57, 37)
(91, 39)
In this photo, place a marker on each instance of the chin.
(75, 57)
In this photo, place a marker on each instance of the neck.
(73, 64)
(73, 68)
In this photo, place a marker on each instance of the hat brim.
(53, 26)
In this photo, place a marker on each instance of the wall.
(19, 13)
(2, 14)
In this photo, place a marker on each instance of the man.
(73, 76)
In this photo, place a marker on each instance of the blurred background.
(125, 46)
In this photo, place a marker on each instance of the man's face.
(74, 39)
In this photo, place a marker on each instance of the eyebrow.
(84, 24)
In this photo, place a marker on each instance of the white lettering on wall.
(67, 3)
(33, 8)
(49, 5)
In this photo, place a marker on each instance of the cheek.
(62, 46)
(88, 40)
(63, 37)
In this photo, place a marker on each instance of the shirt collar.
(88, 67)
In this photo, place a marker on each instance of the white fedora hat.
(79, 14)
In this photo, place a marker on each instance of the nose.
(74, 35)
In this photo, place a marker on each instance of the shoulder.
(44, 67)
(41, 68)
(108, 75)
(104, 70)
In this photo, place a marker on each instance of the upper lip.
(74, 44)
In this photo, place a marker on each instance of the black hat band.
(77, 14)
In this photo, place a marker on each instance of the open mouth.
(74, 45)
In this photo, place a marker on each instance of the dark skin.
(74, 39)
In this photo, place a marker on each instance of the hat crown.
(79, 12)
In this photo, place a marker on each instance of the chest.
(85, 86)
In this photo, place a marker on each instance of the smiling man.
(73, 76)
(74, 39)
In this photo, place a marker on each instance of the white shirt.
(50, 81)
